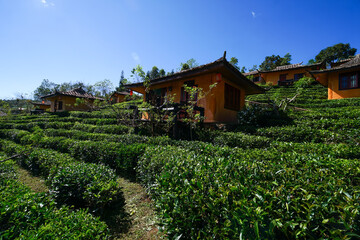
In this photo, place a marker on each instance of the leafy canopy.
(335, 53)
(274, 61)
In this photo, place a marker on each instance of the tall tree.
(254, 68)
(162, 72)
(191, 63)
(103, 88)
(335, 53)
(274, 61)
(122, 82)
(138, 74)
(234, 61)
(154, 73)
(286, 59)
(46, 87)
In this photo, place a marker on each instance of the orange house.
(65, 101)
(342, 81)
(118, 97)
(44, 105)
(223, 101)
(284, 75)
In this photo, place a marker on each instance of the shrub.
(25, 215)
(241, 140)
(85, 185)
(275, 198)
(304, 82)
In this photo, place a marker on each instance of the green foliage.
(25, 215)
(274, 61)
(234, 61)
(304, 82)
(256, 115)
(336, 52)
(84, 185)
(220, 197)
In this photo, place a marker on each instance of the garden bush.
(25, 215)
(292, 196)
(85, 185)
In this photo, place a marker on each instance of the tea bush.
(221, 198)
(25, 215)
(85, 185)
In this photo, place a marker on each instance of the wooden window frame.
(282, 75)
(348, 76)
(232, 97)
(184, 96)
(298, 74)
(60, 105)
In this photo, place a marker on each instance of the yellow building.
(65, 101)
(223, 101)
(342, 81)
(284, 75)
(43, 105)
(118, 97)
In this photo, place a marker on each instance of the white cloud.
(47, 4)
(253, 14)
(135, 56)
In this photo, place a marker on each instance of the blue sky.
(93, 40)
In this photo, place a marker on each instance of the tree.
(311, 61)
(122, 82)
(254, 68)
(191, 63)
(154, 73)
(234, 61)
(162, 73)
(185, 66)
(46, 87)
(138, 74)
(335, 53)
(243, 69)
(274, 61)
(286, 59)
(103, 88)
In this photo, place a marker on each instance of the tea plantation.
(292, 175)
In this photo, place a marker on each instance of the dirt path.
(141, 211)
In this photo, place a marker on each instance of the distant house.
(284, 75)
(118, 97)
(224, 101)
(343, 80)
(65, 101)
(43, 105)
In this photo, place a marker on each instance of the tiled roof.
(121, 93)
(77, 92)
(220, 63)
(45, 103)
(251, 73)
(354, 62)
(284, 68)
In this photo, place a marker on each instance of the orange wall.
(68, 104)
(333, 87)
(119, 98)
(213, 103)
(273, 77)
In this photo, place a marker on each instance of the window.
(185, 96)
(156, 96)
(60, 105)
(348, 80)
(232, 97)
(298, 76)
(282, 77)
(256, 79)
